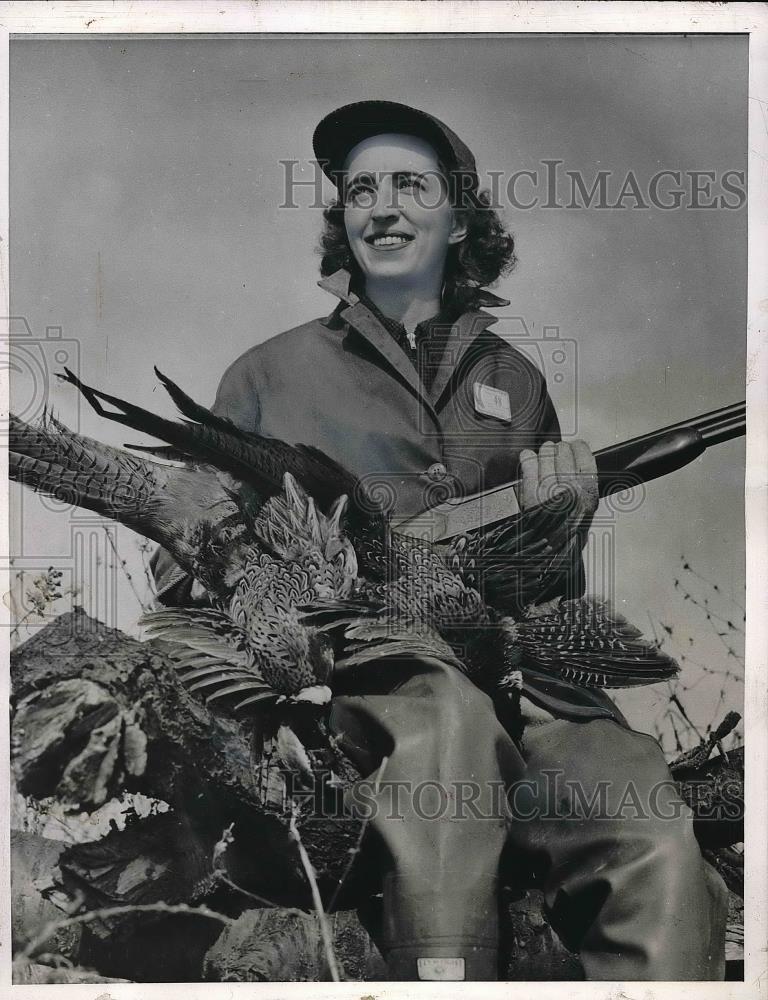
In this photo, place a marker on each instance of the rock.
(34, 868)
(66, 740)
(531, 951)
(34, 974)
(281, 945)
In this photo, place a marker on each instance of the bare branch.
(354, 851)
(309, 871)
(115, 911)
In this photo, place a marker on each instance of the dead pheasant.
(557, 654)
(295, 582)
(254, 648)
(252, 636)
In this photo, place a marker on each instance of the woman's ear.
(459, 228)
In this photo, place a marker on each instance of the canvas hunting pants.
(624, 883)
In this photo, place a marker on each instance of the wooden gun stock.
(619, 467)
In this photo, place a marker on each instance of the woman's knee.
(600, 749)
(602, 769)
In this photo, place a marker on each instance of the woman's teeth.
(389, 241)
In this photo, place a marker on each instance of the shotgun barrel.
(649, 456)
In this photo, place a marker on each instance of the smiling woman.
(361, 386)
(409, 195)
(400, 224)
(151, 221)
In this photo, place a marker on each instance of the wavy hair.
(485, 254)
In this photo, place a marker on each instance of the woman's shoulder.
(281, 347)
(523, 355)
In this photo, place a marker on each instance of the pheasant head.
(295, 661)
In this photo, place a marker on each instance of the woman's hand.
(565, 465)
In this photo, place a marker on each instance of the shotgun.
(619, 467)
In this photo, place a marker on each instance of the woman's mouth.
(388, 241)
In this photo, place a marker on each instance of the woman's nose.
(386, 205)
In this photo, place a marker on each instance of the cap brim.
(340, 131)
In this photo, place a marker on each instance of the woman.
(407, 386)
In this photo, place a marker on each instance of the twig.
(19, 619)
(689, 569)
(15, 609)
(47, 587)
(220, 874)
(144, 547)
(656, 640)
(721, 636)
(354, 851)
(226, 880)
(676, 701)
(16, 630)
(727, 673)
(309, 871)
(678, 742)
(709, 613)
(113, 911)
(126, 572)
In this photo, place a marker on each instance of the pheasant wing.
(515, 562)
(586, 643)
(387, 638)
(211, 655)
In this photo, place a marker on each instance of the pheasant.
(556, 654)
(198, 514)
(307, 578)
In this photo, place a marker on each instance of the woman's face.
(397, 213)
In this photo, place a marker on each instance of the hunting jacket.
(344, 385)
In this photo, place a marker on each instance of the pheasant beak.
(336, 547)
(333, 548)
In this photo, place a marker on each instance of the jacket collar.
(463, 334)
(339, 283)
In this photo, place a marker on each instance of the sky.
(147, 229)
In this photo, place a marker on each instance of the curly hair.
(483, 256)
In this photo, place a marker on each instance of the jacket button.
(437, 471)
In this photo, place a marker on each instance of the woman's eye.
(408, 183)
(360, 193)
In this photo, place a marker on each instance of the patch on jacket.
(492, 402)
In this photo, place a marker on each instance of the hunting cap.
(340, 131)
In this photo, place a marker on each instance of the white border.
(404, 16)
